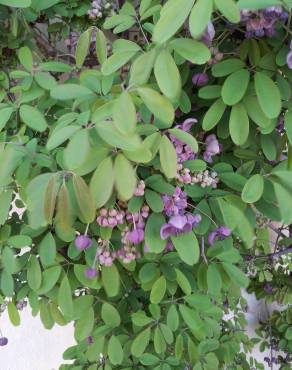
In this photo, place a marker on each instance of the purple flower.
(213, 148)
(220, 233)
(3, 341)
(83, 242)
(268, 289)
(179, 225)
(91, 273)
(209, 35)
(200, 79)
(136, 236)
(175, 204)
(89, 340)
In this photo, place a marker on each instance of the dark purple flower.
(213, 148)
(91, 273)
(209, 35)
(220, 233)
(179, 225)
(83, 242)
(200, 79)
(136, 236)
(175, 204)
(268, 288)
(89, 340)
(3, 341)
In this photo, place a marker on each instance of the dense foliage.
(146, 177)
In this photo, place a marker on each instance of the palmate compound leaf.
(173, 13)
(200, 17)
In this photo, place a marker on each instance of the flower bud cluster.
(110, 218)
(99, 8)
(140, 190)
(204, 178)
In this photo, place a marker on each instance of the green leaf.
(47, 250)
(168, 158)
(84, 200)
(13, 314)
(164, 68)
(288, 125)
(191, 318)
(154, 201)
(210, 92)
(253, 189)
(104, 174)
(34, 273)
(200, 17)
(8, 260)
(45, 80)
(79, 271)
(19, 241)
(5, 115)
(255, 112)
(65, 298)
(61, 135)
(229, 9)
(64, 215)
(101, 47)
(187, 247)
(110, 315)
(73, 156)
(284, 201)
(172, 17)
(115, 351)
(214, 280)
(152, 233)
(239, 124)
(236, 275)
(194, 51)
(125, 177)
(183, 282)
(84, 325)
(7, 284)
(110, 280)
(227, 66)
(257, 4)
(50, 199)
(70, 91)
(116, 61)
(140, 343)
(186, 138)
(25, 57)
(213, 115)
(141, 68)
(158, 290)
(109, 133)
(49, 280)
(82, 47)
(5, 204)
(268, 95)
(45, 315)
(55, 67)
(124, 114)
(140, 319)
(158, 104)
(33, 118)
(172, 318)
(16, 3)
(235, 87)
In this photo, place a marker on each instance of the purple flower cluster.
(203, 179)
(213, 148)
(106, 257)
(183, 151)
(134, 232)
(110, 218)
(178, 225)
(208, 35)
(98, 7)
(289, 57)
(220, 233)
(263, 22)
(176, 204)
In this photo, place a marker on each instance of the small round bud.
(83, 242)
(200, 79)
(3, 341)
(90, 273)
